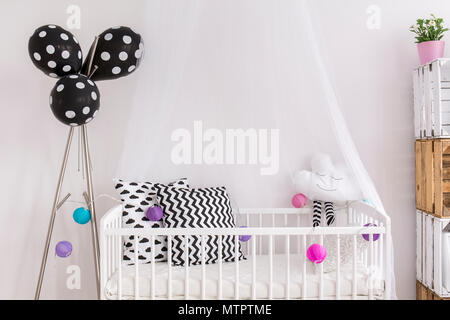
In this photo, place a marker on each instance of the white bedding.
(245, 280)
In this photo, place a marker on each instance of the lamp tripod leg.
(53, 215)
(90, 192)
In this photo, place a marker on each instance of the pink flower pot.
(430, 50)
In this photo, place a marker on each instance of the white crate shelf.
(432, 99)
(433, 253)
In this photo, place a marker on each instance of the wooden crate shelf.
(423, 293)
(433, 176)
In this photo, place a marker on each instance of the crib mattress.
(245, 280)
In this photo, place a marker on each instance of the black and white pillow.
(137, 197)
(198, 208)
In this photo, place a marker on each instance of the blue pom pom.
(81, 215)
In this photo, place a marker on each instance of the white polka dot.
(95, 113)
(131, 68)
(75, 39)
(52, 26)
(123, 56)
(51, 64)
(105, 56)
(141, 46)
(116, 70)
(126, 39)
(53, 75)
(67, 68)
(60, 88)
(91, 82)
(138, 54)
(42, 34)
(70, 114)
(64, 36)
(86, 110)
(108, 36)
(116, 27)
(87, 120)
(37, 56)
(94, 95)
(80, 85)
(73, 76)
(50, 49)
(74, 124)
(51, 100)
(65, 54)
(79, 54)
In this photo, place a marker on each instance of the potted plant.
(429, 33)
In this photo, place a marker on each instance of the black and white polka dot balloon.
(118, 53)
(75, 100)
(55, 51)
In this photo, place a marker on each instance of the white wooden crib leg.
(304, 267)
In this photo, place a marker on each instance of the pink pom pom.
(299, 200)
(316, 253)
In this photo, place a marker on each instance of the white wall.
(370, 69)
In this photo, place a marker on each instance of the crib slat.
(203, 269)
(136, 267)
(338, 267)
(186, 265)
(371, 267)
(321, 273)
(253, 270)
(354, 268)
(270, 267)
(169, 267)
(304, 267)
(261, 236)
(120, 269)
(153, 262)
(220, 269)
(236, 260)
(247, 220)
(288, 264)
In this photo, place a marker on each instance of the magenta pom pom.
(366, 236)
(244, 238)
(63, 249)
(316, 253)
(299, 200)
(154, 213)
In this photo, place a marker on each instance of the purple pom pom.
(63, 249)
(243, 237)
(154, 213)
(366, 237)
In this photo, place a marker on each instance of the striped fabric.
(317, 213)
(198, 208)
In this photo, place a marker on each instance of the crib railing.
(272, 231)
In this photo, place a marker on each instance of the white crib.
(276, 266)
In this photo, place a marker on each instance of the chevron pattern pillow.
(198, 208)
(137, 197)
